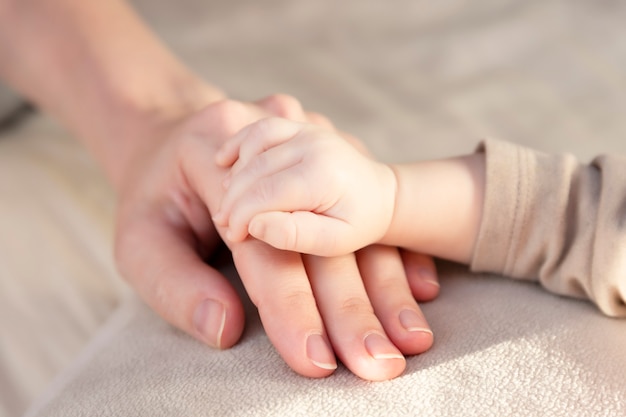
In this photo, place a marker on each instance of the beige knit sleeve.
(551, 218)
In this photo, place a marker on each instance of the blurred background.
(420, 78)
(413, 79)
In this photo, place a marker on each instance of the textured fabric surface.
(420, 79)
(57, 280)
(502, 348)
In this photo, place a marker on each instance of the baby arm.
(505, 209)
(439, 206)
(303, 188)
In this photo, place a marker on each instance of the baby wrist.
(389, 236)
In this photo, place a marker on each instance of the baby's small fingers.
(228, 153)
(263, 136)
(241, 186)
(255, 138)
(281, 191)
(303, 231)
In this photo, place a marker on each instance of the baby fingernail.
(256, 228)
(412, 321)
(381, 348)
(319, 352)
(209, 319)
(218, 218)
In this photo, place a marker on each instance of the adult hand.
(309, 306)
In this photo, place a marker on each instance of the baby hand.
(303, 188)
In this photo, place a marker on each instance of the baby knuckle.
(259, 166)
(263, 128)
(264, 191)
(290, 236)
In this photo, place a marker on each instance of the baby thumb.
(303, 231)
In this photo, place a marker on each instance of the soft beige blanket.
(413, 79)
(503, 348)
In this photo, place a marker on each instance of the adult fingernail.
(319, 352)
(412, 321)
(428, 276)
(381, 348)
(209, 319)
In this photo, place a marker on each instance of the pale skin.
(154, 127)
(301, 187)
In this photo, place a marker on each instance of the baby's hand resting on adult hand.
(164, 230)
(301, 187)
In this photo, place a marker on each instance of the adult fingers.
(356, 334)
(421, 273)
(278, 285)
(222, 120)
(159, 260)
(283, 105)
(320, 120)
(383, 275)
(288, 107)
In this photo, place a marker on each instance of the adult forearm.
(439, 206)
(99, 70)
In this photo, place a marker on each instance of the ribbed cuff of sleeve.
(509, 176)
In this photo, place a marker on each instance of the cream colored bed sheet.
(414, 79)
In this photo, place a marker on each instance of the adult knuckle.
(286, 300)
(296, 298)
(356, 305)
(319, 119)
(230, 116)
(286, 106)
(285, 102)
(227, 106)
(388, 284)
